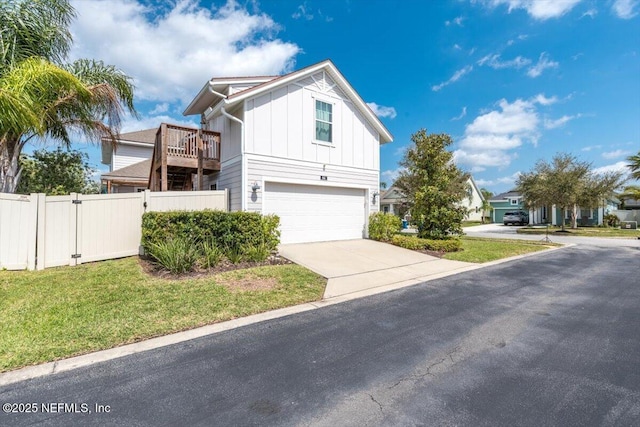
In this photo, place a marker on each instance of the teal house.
(513, 201)
(505, 202)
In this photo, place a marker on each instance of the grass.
(479, 250)
(62, 312)
(585, 231)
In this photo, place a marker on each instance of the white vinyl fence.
(628, 215)
(39, 231)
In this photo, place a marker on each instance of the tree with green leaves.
(633, 191)
(433, 185)
(56, 173)
(43, 96)
(486, 206)
(567, 183)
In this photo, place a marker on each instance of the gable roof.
(391, 195)
(206, 99)
(138, 170)
(145, 136)
(502, 196)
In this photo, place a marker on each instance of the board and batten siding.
(230, 137)
(281, 123)
(230, 178)
(262, 169)
(126, 155)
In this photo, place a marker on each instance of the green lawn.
(479, 250)
(61, 312)
(471, 223)
(585, 231)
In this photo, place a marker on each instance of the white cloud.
(172, 55)
(457, 46)
(543, 100)
(382, 111)
(148, 121)
(538, 9)
(496, 63)
(615, 154)
(160, 108)
(590, 13)
(456, 76)
(302, 12)
(491, 138)
(552, 124)
(462, 114)
(616, 167)
(625, 8)
(591, 147)
(509, 180)
(456, 21)
(543, 63)
(392, 174)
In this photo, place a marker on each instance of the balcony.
(181, 152)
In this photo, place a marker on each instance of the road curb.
(63, 365)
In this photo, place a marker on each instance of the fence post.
(32, 231)
(40, 234)
(73, 230)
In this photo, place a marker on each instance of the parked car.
(516, 217)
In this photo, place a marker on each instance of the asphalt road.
(547, 340)
(509, 232)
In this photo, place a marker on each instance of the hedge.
(416, 243)
(223, 229)
(382, 226)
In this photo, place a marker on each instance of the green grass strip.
(62, 312)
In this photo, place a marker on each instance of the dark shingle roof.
(138, 170)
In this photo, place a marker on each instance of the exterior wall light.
(255, 187)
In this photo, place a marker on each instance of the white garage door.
(311, 213)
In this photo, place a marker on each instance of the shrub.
(210, 254)
(178, 254)
(611, 220)
(382, 226)
(416, 243)
(223, 229)
(234, 253)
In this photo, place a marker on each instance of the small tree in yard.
(56, 173)
(567, 183)
(486, 206)
(433, 185)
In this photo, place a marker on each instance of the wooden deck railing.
(178, 141)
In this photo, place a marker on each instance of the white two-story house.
(304, 146)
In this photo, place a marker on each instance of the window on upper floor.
(514, 202)
(324, 121)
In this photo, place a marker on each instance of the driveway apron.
(358, 265)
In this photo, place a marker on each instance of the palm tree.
(41, 95)
(634, 165)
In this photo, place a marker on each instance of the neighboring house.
(474, 202)
(391, 201)
(513, 201)
(631, 204)
(505, 202)
(304, 146)
(129, 163)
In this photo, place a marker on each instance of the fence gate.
(17, 231)
(83, 228)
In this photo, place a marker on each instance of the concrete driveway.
(357, 265)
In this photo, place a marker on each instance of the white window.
(324, 121)
(514, 202)
(385, 209)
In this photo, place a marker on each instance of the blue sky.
(512, 81)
